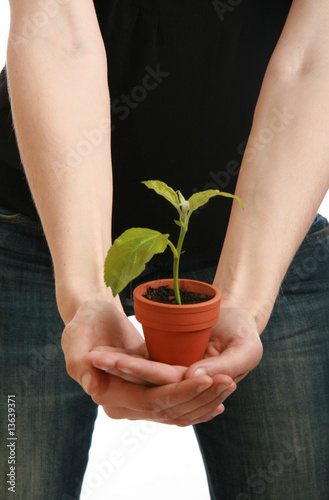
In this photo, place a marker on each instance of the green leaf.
(197, 200)
(129, 254)
(228, 195)
(162, 189)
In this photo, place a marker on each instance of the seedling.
(131, 251)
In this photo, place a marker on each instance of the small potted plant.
(177, 315)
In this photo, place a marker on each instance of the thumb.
(235, 361)
(76, 349)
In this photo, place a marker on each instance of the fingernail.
(128, 371)
(220, 409)
(199, 371)
(202, 388)
(86, 382)
(229, 389)
(103, 368)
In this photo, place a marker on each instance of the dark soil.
(166, 295)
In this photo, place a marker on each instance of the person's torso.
(184, 77)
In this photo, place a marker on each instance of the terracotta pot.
(174, 334)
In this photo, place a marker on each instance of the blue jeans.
(54, 418)
(272, 441)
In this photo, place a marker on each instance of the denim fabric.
(54, 417)
(272, 441)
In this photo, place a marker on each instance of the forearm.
(59, 95)
(283, 179)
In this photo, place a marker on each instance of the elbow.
(69, 47)
(288, 66)
(72, 33)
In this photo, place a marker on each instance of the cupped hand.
(100, 329)
(234, 348)
(97, 323)
(183, 403)
(134, 367)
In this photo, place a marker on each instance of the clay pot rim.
(182, 281)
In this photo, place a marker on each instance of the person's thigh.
(272, 442)
(44, 450)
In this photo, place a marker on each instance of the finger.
(104, 349)
(107, 362)
(206, 406)
(209, 409)
(165, 403)
(88, 329)
(117, 413)
(126, 377)
(236, 361)
(136, 368)
(140, 397)
(151, 371)
(75, 345)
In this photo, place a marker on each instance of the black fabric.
(184, 78)
(14, 190)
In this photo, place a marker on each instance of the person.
(104, 95)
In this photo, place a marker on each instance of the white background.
(142, 460)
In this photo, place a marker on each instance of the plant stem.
(182, 234)
(175, 272)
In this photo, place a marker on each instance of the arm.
(56, 100)
(283, 179)
(60, 97)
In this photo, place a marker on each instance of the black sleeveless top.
(184, 78)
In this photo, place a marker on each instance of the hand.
(183, 403)
(235, 347)
(99, 324)
(126, 392)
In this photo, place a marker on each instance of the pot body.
(174, 334)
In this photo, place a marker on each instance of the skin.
(281, 184)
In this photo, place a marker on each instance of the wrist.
(257, 304)
(70, 295)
